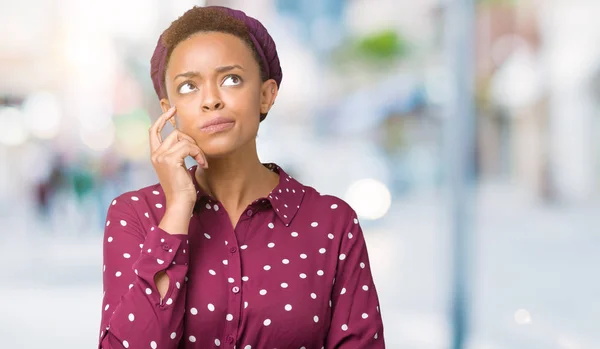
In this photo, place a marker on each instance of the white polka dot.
(123, 222)
(316, 318)
(106, 307)
(135, 198)
(178, 285)
(375, 337)
(285, 261)
(322, 250)
(362, 265)
(245, 305)
(130, 286)
(131, 317)
(303, 276)
(330, 236)
(155, 192)
(117, 274)
(229, 317)
(194, 311)
(334, 206)
(148, 291)
(141, 246)
(263, 292)
(169, 301)
(313, 295)
(248, 346)
(271, 225)
(107, 223)
(294, 234)
(126, 255)
(231, 280)
(355, 221)
(206, 235)
(211, 307)
(212, 272)
(343, 290)
(244, 278)
(377, 309)
(344, 327)
(271, 245)
(208, 207)
(149, 250)
(110, 239)
(217, 342)
(225, 262)
(288, 307)
(314, 224)
(284, 285)
(173, 335)
(267, 267)
(330, 303)
(126, 344)
(104, 268)
(114, 202)
(365, 287)
(159, 261)
(267, 322)
(342, 257)
(320, 272)
(303, 256)
(365, 315)
(350, 235)
(152, 228)
(159, 205)
(192, 339)
(243, 247)
(216, 207)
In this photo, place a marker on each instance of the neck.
(237, 179)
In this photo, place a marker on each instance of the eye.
(232, 80)
(186, 87)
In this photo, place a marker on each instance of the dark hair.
(208, 19)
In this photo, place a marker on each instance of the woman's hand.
(168, 162)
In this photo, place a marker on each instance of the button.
(235, 289)
(233, 250)
(249, 213)
(166, 247)
(229, 339)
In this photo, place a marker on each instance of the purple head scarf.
(262, 40)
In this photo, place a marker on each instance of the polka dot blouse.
(294, 273)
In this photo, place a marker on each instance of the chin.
(219, 148)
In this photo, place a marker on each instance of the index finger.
(156, 128)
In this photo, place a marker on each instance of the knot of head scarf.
(262, 40)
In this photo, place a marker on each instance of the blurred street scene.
(363, 113)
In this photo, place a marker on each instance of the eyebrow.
(221, 69)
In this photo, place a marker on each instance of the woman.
(232, 253)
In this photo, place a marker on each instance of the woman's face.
(214, 75)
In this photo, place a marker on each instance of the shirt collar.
(285, 198)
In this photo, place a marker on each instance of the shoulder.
(330, 209)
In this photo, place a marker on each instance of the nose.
(212, 99)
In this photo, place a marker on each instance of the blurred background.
(366, 111)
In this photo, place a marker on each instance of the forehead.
(206, 51)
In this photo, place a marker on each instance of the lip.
(217, 124)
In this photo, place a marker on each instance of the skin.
(199, 89)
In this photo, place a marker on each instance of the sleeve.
(356, 320)
(133, 315)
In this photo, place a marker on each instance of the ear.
(268, 94)
(166, 105)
